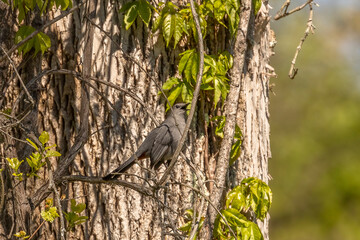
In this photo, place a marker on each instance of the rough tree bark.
(96, 126)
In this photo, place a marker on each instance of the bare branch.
(98, 180)
(10, 136)
(18, 75)
(32, 235)
(310, 28)
(283, 10)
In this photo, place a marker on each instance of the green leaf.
(194, 66)
(235, 152)
(238, 133)
(170, 83)
(42, 42)
(174, 94)
(217, 90)
(64, 4)
(22, 235)
(19, 176)
(30, 4)
(168, 27)
(259, 195)
(257, 6)
(184, 59)
(172, 23)
(219, 10)
(178, 28)
(52, 153)
(21, 34)
(78, 208)
(234, 217)
(50, 214)
(157, 23)
(42, 5)
(130, 14)
(32, 144)
(220, 123)
(44, 137)
(144, 11)
(206, 87)
(210, 63)
(232, 8)
(189, 65)
(54, 145)
(186, 227)
(187, 93)
(14, 163)
(39, 42)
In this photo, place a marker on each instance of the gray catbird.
(160, 144)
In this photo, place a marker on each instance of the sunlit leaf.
(44, 137)
(21, 34)
(235, 152)
(144, 11)
(50, 214)
(170, 83)
(32, 144)
(52, 153)
(131, 14)
(257, 6)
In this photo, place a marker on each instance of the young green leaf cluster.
(50, 212)
(73, 217)
(36, 160)
(14, 164)
(132, 10)
(252, 194)
(214, 77)
(176, 22)
(22, 235)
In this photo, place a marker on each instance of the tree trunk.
(96, 127)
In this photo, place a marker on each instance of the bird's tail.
(122, 168)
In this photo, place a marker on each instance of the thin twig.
(117, 111)
(310, 28)
(2, 190)
(18, 75)
(129, 57)
(12, 137)
(27, 110)
(283, 10)
(195, 226)
(141, 189)
(32, 235)
(41, 29)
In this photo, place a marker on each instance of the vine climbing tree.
(85, 81)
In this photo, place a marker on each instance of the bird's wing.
(161, 146)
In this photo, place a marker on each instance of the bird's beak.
(185, 105)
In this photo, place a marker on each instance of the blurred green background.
(315, 125)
